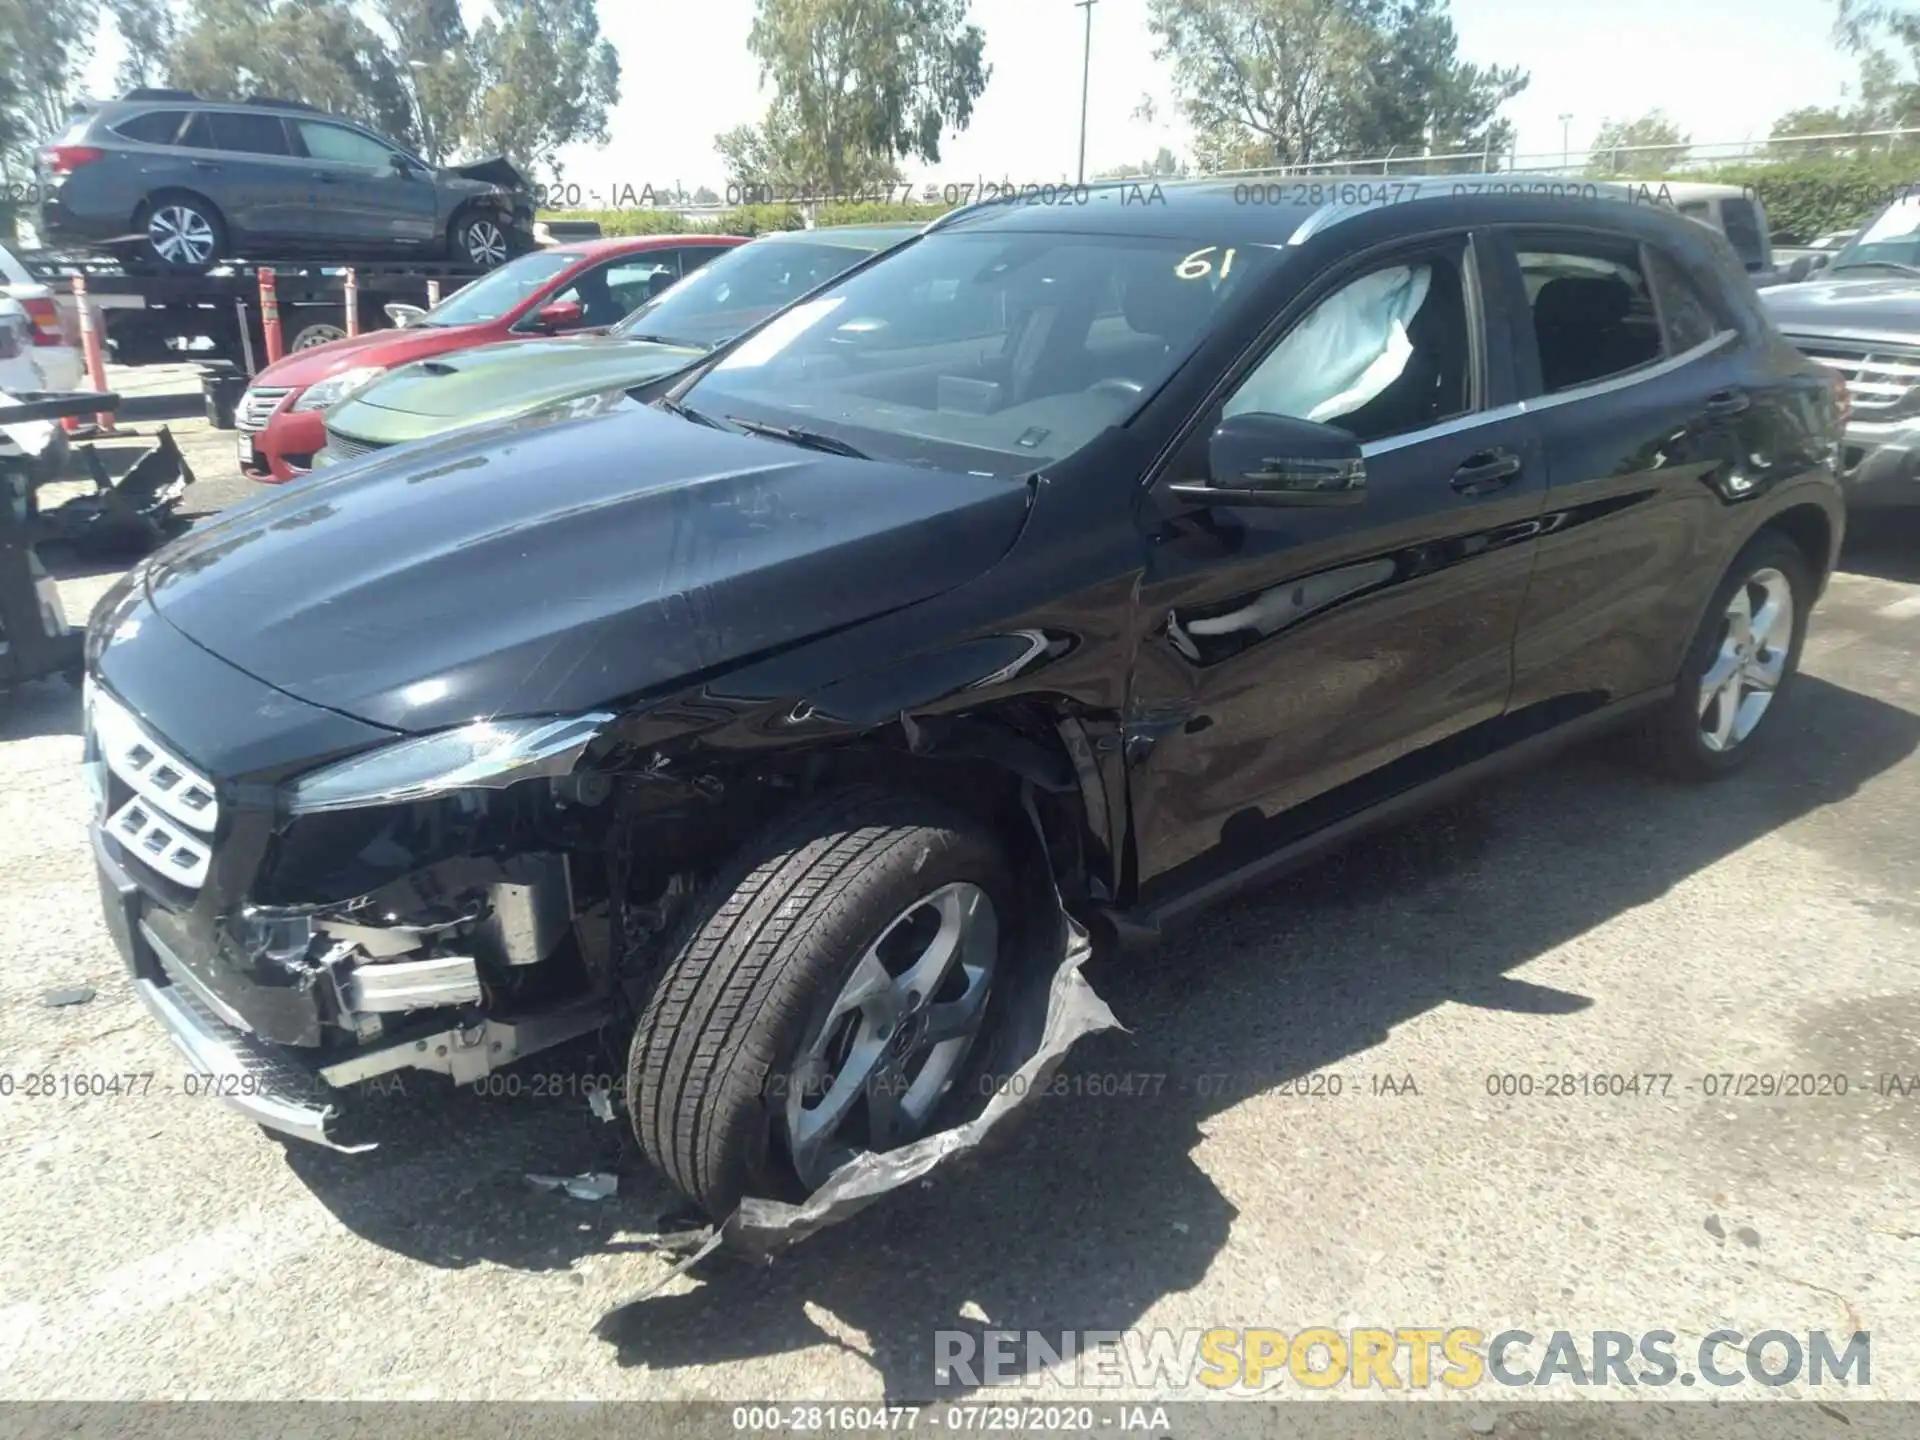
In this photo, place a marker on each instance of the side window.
(154, 127)
(338, 143)
(197, 134)
(1743, 232)
(248, 134)
(1592, 314)
(692, 259)
(605, 293)
(1686, 319)
(1385, 354)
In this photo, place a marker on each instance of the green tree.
(147, 31)
(548, 79)
(435, 60)
(318, 51)
(45, 47)
(705, 196)
(858, 84)
(1650, 145)
(1290, 82)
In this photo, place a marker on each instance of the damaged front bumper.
(293, 1089)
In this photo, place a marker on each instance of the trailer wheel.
(823, 996)
(183, 232)
(320, 332)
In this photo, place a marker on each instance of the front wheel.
(479, 238)
(823, 1000)
(1739, 667)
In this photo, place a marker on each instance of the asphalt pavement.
(1579, 920)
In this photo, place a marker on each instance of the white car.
(55, 340)
(39, 440)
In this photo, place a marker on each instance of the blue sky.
(1724, 69)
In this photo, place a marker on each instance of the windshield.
(498, 292)
(741, 288)
(988, 352)
(1892, 240)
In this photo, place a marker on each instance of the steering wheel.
(1119, 385)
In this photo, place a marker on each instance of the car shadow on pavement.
(1095, 1208)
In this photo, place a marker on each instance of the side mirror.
(404, 315)
(561, 315)
(1259, 459)
(1800, 269)
(401, 165)
(1820, 262)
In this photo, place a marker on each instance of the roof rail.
(158, 92)
(270, 103)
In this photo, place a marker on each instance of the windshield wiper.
(793, 435)
(687, 412)
(1876, 265)
(662, 340)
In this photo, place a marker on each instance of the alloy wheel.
(486, 244)
(180, 235)
(1756, 639)
(892, 1043)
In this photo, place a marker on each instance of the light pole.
(1086, 71)
(1565, 154)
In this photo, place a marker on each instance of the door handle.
(1486, 472)
(206, 165)
(325, 179)
(1728, 402)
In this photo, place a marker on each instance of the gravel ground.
(1575, 919)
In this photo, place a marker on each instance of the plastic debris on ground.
(596, 1185)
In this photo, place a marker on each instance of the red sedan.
(569, 289)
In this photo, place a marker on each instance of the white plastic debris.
(600, 1101)
(595, 1185)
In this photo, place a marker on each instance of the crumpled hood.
(1882, 306)
(564, 561)
(509, 378)
(496, 170)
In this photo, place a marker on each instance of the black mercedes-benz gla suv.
(1142, 543)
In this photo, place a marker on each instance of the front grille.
(1879, 378)
(256, 407)
(342, 448)
(167, 814)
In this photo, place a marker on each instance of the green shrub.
(745, 219)
(1808, 198)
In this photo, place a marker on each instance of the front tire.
(479, 237)
(823, 999)
(1740, 666)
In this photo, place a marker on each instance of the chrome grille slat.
(169, 822)
(341, 448)
(256, 407)
(1878, 378)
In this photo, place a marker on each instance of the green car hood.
(497, 382)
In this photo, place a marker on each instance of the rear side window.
(1743, 232)
(1686, 319)
(154, 127)
(1593, 316)
(249, 134)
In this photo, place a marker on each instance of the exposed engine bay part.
(467, 1053)
(402, 985)
(530, 912)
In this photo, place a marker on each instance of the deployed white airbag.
(1350, 349)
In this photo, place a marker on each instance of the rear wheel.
(182, 232)
(320, 332)
(1739, 667)
(824, 999)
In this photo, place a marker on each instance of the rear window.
(249, 134)
(154, 127)
(1743, 232)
